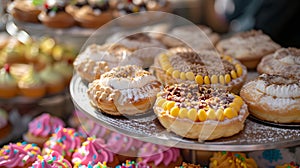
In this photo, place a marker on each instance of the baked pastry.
(94, 15)
(13, 52)
(55, 16)
(126, 148)
(93, 151)
(159, 156)
(231, 159)
(98, 59)
(187, 109)
(288, 165)
(5, 126)
(143, 46)
(24, 10)
(273, 98)
(188, 165)
(8, 85)
(41, 128)
(125, 90)
(53, 80)
(248, 47)
(285, 62)
(18, 155)
(75, 6)
(51, 160)
(197, 37)
(179, 65)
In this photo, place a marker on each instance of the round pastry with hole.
(181, 64)
(285, 61)
(124, 90)
(200, 112)
(273, 98)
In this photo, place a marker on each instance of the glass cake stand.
(255, 136)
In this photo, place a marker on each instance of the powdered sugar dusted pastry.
(248, 47)
(273, 98)
(285, 61)
(125, 90)
(98, 59)
(231, 159)
(200, 112)
(197, 37)
(180, 64)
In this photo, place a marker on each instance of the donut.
(200, 112)
(124, 90)
(273, 98)
(248, 47)
(181, 64)
(285, 61)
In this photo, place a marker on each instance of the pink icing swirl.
(51, 160)
(45, 125)
(119, 143)
(91, 152)
(158, 154)
(18, 155)
(64, 141)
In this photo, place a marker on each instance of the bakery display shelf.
(255, 136)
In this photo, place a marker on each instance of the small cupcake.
(54, 81)
(51, 160)
(18, 155)
(5, 126)
(231, 159)
(159, 156)
(125, 147)
(91, 128)
(8, 85)
(93, 151)
(41, 128)
(65, 69)
(288, 165)
(25, 10)
(64, 141)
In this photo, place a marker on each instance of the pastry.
(5, 126)
(65, 68)
(197, 37)
(54, 81)
(143, 46)
(179, 65)
(98, 59)
(64, 141)
(248, 47)
(75, 6)
(41, 128)
(55, 16)
(273, 98)
(288, 165)
(200, 112)
(8, 85)
(125, 90)
(188, 165)
(51, 160)
(285, 62)
(94, 15)
(159, 156)
(93, 151)
(13, 52)
(231, 159)
(125, 147)
(18, 155)
(25, 10)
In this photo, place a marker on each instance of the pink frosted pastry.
(51, 160)
(125, 147)
(18, 155)
(41, 128)
(64, 141)
(159, 156)
(93, 151)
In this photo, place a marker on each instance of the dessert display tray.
(255, 136)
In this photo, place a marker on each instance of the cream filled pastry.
(125, 90)
(180, 64)
(273, 98)
(285, 62)
(231, 159)
(200, 112)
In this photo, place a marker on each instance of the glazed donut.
(98, 59)
(124, 90)
(285, 61)
(200, 112)
(248, 47)
(180, 64)
(273, 98)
